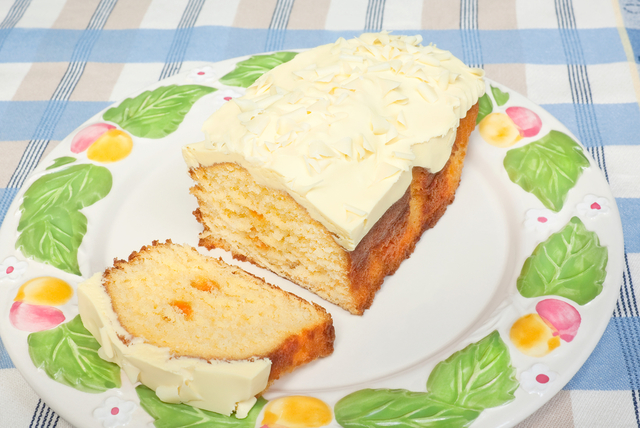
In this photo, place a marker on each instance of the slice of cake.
(197, 330)
(331, 167)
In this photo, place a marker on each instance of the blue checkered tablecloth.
(62, 61)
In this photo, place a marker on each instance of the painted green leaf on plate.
(500, 96)
(570, 263)
(69, 355)
(485, 107)
(369, 408)
(458, 389)
(548, 167)
(61, 161)
(169, 415)
(248, 71)
(54, 238)
(51, 225)
(477, 377)
(157, 113)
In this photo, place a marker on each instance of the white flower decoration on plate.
(202, 74)
(540, 220)
(592, 206)
(12, 268)
(537, 379)
(222, 96)
(115, 412)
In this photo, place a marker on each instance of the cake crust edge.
(394, 237)
(298, 349)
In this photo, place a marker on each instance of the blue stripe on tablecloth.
(606, 368)
(6, 197)
(213, 43)
(19, 120)
(374, 16)
(43, 417)
(53, 114)
(598, 154)
(634, 38)
(16, 12)
(628, 331)
(627, 305)
(630, 215)
(619, 124)
(470, 36)
(181, 38)
(274, 40)
(628, 328)
(580, 85)
(5, 361)
(56, 106)
(628, 283)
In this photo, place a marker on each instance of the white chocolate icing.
(341, 126)
(219, 386)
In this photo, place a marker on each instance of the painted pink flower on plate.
(537, 379)
(32, 318)
(564, 318)
(592, 206)
(12, 268)
(527, 121)
(87, 136)
(540, 220)
(202, 74)
(115, 412)
(223, 96)
(538, 334)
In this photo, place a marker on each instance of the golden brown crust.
(119, 263)
(298, 349)
(395, 235)
(301, 349)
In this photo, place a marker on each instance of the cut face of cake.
(197, 330)
(331, 167)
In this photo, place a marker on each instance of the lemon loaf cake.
(197, 330)
(332, 165)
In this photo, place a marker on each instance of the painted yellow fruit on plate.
(499, 130)
(112, 146)
(45, 290)
(533, 336)
(297, 412)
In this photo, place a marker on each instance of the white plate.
(458, 286)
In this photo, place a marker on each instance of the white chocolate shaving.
(318, 150)
(355, 210)
(429, 60)
(384, 171)
(245, 104)
(401, 119)
(379, 125)
(406, 156)
(345, 146)
(383, 66)
(427, 92)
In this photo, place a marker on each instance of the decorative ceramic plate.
(495, 311)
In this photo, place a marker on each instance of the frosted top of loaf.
(218, 386)
(340, 126)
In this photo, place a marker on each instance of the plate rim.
(63, 147)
